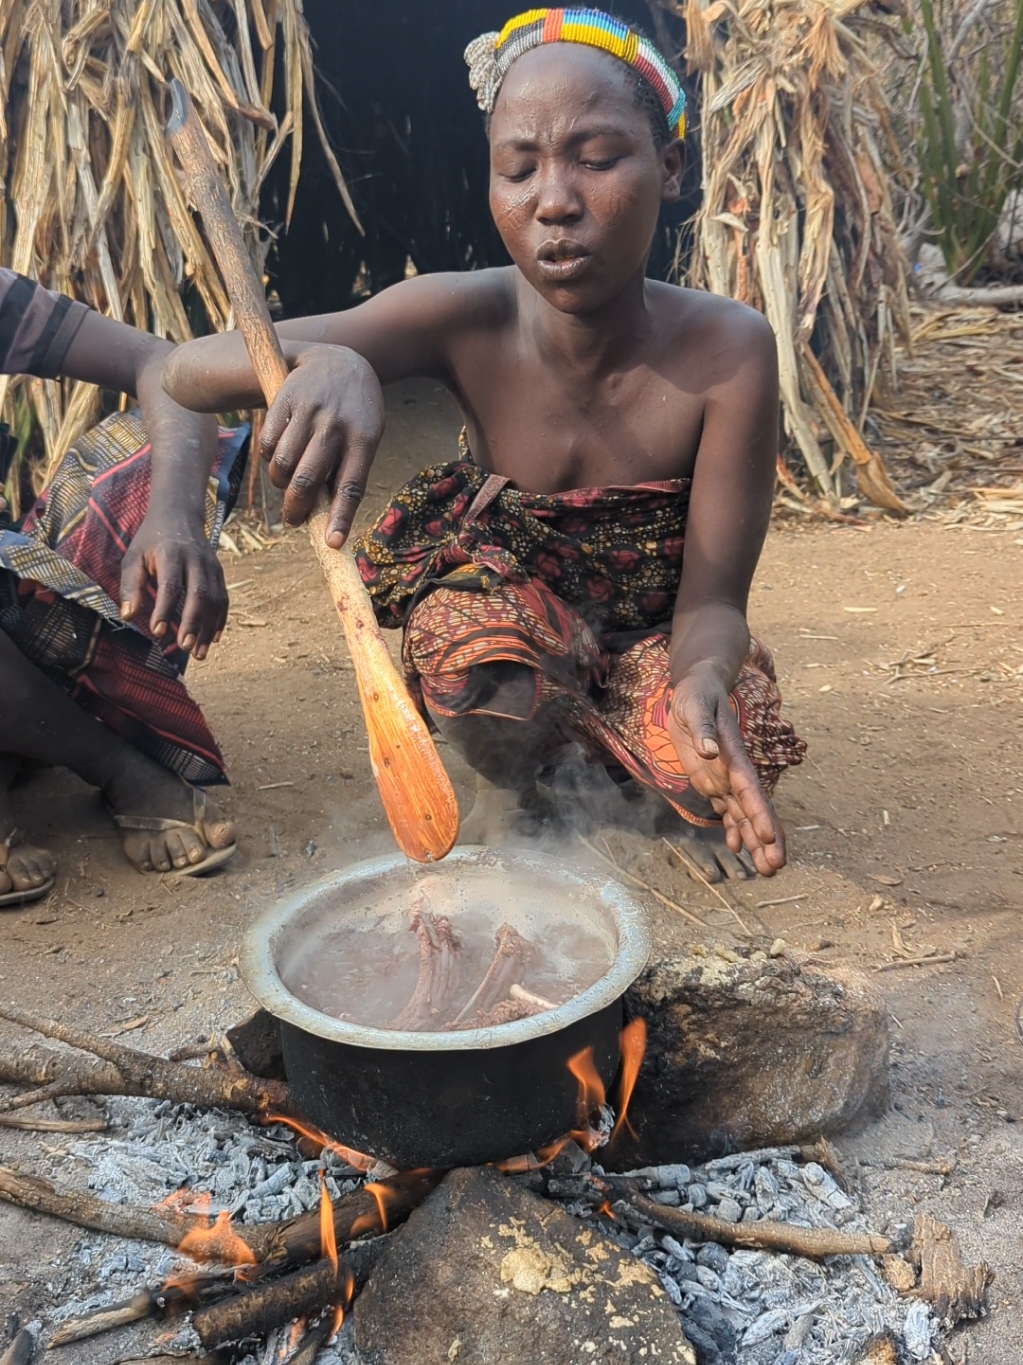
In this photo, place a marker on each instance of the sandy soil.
(907, 814)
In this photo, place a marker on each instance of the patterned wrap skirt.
(575, 592)
(60, 580)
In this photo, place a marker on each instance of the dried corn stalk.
(796, 216)
(92, 201)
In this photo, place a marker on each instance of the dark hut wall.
(410, 138)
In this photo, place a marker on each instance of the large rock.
(486, 1272)
(751, 1053)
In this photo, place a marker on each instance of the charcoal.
(713, 1256)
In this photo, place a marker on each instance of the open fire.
(290, 1282)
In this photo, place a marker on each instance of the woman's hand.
(324, 427)
(708, 741)
(173, 553)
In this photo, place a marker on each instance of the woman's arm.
(729, 512)
(327, 421)
(170, 546)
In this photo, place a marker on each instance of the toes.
(29, 868)
(180, 845)
(5, 884)
(698, 852)
(137, 851)
(220, 833)
(737, 867)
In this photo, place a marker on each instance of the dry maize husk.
(91, 202)
(797, 218)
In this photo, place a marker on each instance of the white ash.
(739, 1307)
(152, 1150)
(757, 1307)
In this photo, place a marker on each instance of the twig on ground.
(644, 886)
(764, 1235)
(29, 1124)
(698, 874)
(933, 960)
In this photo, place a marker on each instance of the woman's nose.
(558, 199)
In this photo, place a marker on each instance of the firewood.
(97, 1215)
(129, 1072)
(764, 1235)
(355, 1215)
(27, 1124)
(21, 1350)
(148, 1303)
(312, 1343)
(277, 1244)
(953, 1289)
(261, 1308)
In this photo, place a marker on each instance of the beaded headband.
(489, 56)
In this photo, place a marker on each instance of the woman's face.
(576, 182)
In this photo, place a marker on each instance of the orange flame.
(379, 1193)
(608, 1211)
(328, 1236)
(519, 1165)
(346, 1302)
(633, 1052)
(592, 1095)
(217, 1241)
(359, 1160)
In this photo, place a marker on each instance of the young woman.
(106, 587)
(581, 571)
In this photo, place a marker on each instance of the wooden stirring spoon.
(414, 785)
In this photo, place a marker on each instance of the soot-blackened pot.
(453, 1098)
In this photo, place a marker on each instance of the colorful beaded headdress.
(489, 56)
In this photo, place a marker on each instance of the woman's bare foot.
(24, 868)
(146, 796)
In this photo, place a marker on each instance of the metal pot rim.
(259, 969)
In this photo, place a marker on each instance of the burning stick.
(149, 1303)
(262, 1308)
(276, 1244)
(313, 1342)
(439, 946)
(129, 1072)
(513, 956)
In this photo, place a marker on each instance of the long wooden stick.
(763, 1235)
(414, 786)
(128, 1072)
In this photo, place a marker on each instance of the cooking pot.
(452, 1098)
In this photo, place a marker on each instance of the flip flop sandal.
(159, 824)
(31, 893)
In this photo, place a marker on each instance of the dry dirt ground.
(908, 813)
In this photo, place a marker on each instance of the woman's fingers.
(288, 449)
(697, 713)
(134, 577)
(349, 490)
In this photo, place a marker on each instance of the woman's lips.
(560, 258)
(557, 271)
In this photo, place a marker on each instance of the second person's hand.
(323, 429)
